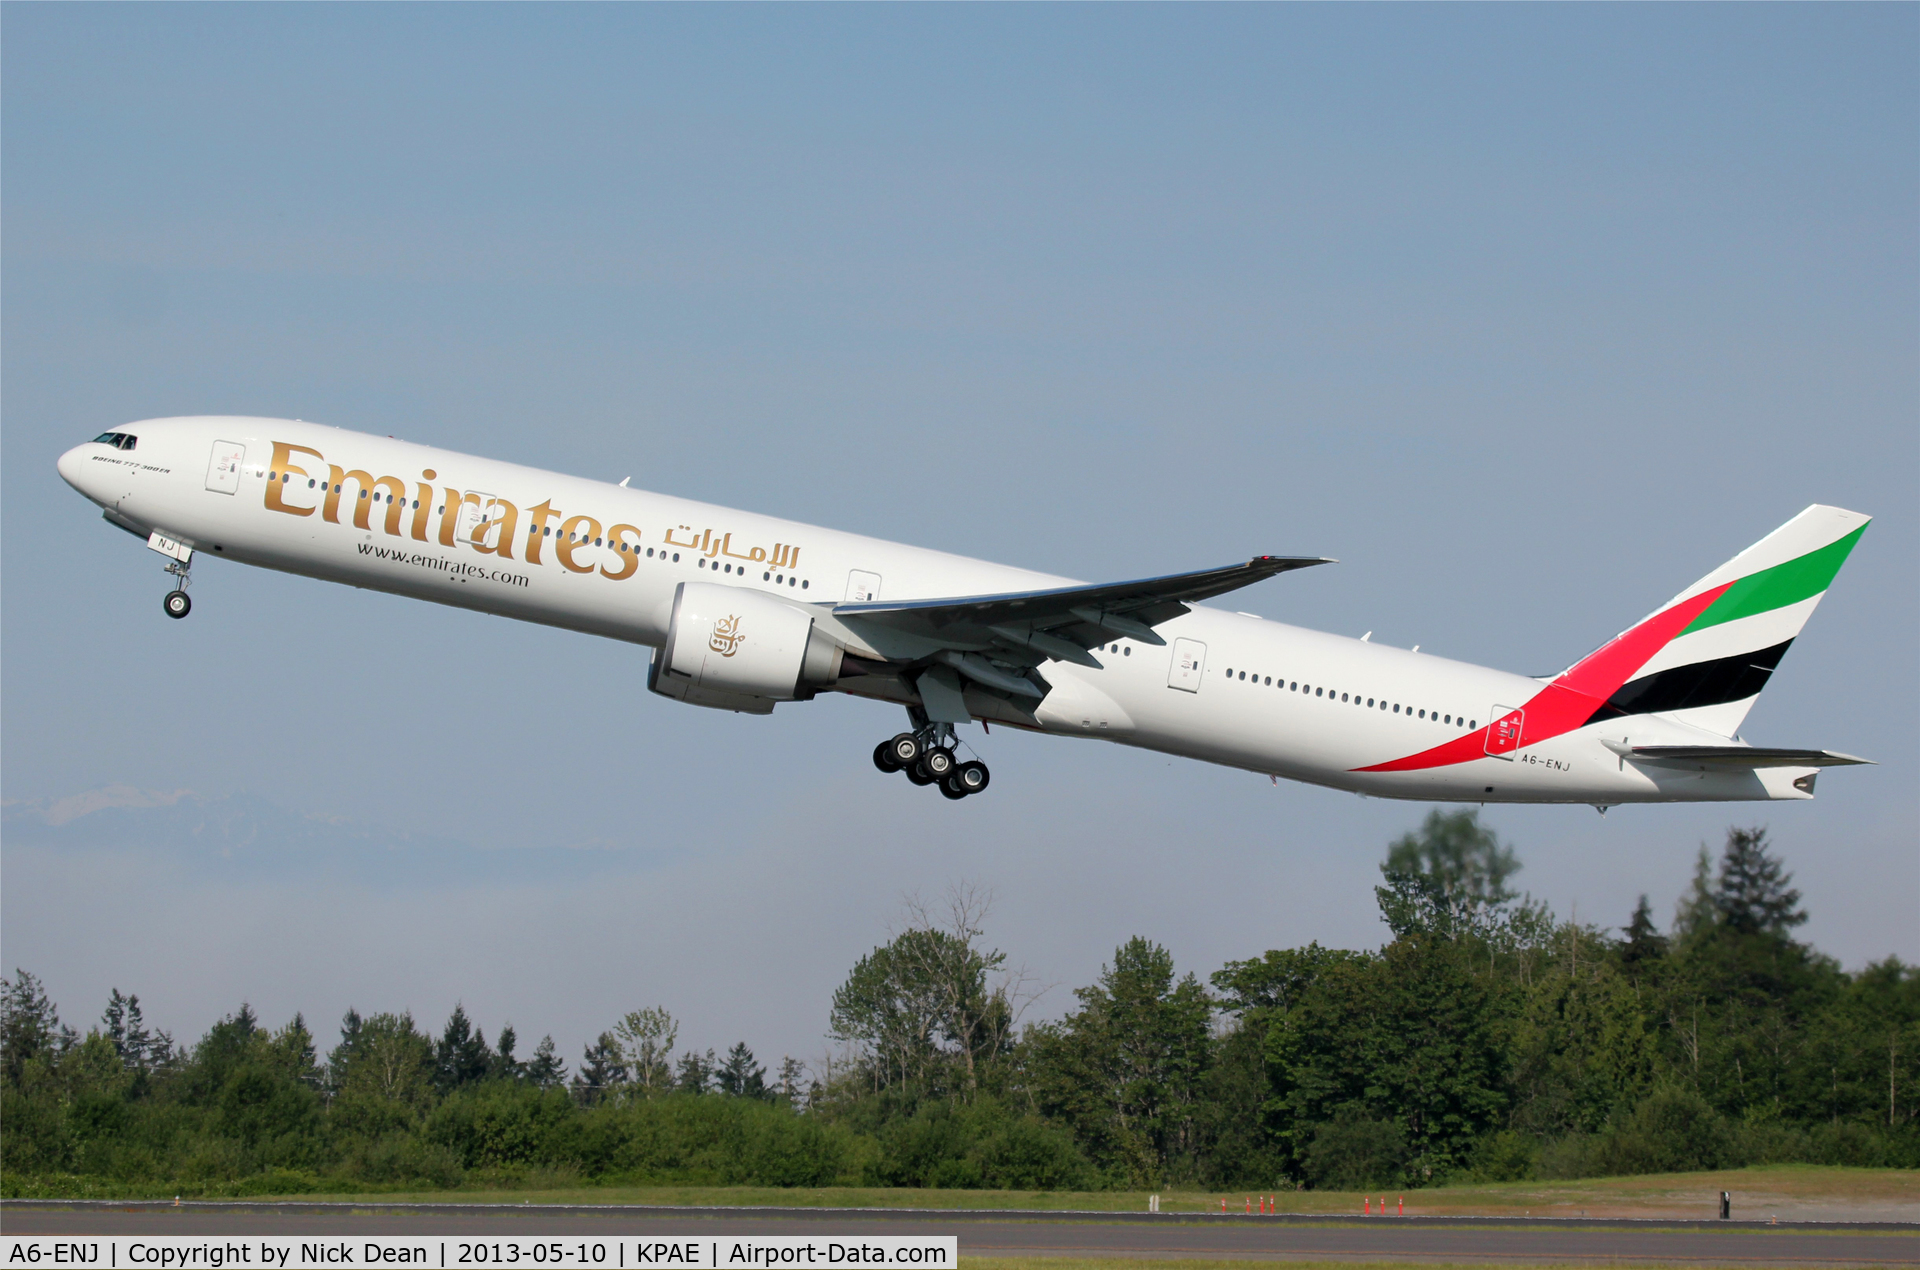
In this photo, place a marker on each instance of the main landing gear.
(927, 758)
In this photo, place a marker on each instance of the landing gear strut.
(926, 756)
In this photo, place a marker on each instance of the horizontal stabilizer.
(1738, 757)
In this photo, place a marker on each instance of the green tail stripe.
(1798, 579)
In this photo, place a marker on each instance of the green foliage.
(644, 1039)
(921, 1014)
(30, 1032)
(1125, 1071)
(1486, 1040)
(1350, 1152)
(1407, 1036)
(1673, 1130)
(1449, 879)
(979, 1144)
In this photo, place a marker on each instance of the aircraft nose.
(75, 470)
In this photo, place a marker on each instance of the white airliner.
(744, 611)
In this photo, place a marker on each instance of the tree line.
(1486, 1040)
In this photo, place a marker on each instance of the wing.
(996, 639)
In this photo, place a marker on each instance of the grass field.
(1793, 1192)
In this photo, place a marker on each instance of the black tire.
(939, 763)
(883, 757)
(905, 750)
(948, 789)
(971, 776)
(918, 774)
(177, 604)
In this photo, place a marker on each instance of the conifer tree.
(546, 1070)
(740, 1076)
(462, 1056)
(351, 1026)
(1696, 913)
(1644, 944)
(505, 1065)
(601, 1071)
(124, 1026)
(293, 1052)
(1753, 894)
(694, 1073)
(30, 1026)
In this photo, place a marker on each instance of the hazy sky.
(1530, 315)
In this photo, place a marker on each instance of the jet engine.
(731, 648)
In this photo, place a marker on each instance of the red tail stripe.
(1570, 700)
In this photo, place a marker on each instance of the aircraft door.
(223, 467)
(472, 524)
(862, 588)
(1503, 734)
(1189, 663)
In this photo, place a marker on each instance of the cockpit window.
(118, 440)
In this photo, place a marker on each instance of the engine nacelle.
(736, 649)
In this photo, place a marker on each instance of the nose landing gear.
(177, 604)
(927, 757)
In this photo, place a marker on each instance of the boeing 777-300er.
(742, 612)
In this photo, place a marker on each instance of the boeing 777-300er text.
(743, 611)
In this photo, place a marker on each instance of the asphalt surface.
(1282, 1238)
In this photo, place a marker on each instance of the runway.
(1103, 1235)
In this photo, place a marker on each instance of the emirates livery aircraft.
(743, 611)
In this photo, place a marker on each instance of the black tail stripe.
(1704, 683)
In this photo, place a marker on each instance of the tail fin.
(1707, 653)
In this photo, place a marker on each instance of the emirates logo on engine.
(726, 636)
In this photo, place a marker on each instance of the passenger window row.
(1365, 703)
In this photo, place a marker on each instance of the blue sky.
(1529, 315)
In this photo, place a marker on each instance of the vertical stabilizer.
(1710, 650)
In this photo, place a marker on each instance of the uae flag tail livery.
(732, 610)
(1698, 662)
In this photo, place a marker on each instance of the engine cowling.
(731, 648)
